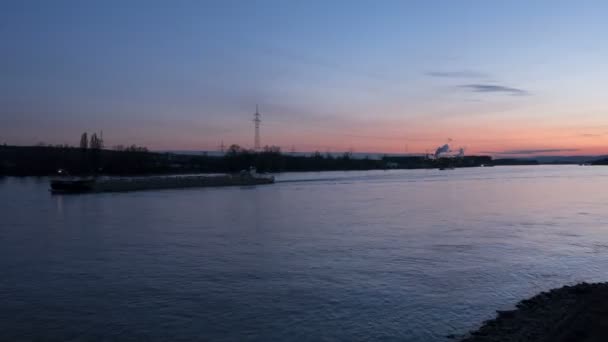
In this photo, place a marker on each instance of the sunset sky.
(496, 77)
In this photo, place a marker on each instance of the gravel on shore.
(569, 313)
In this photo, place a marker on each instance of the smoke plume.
(442, 149)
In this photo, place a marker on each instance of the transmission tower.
(256, 121)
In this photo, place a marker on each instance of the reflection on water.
(59, 201)
(403, 255)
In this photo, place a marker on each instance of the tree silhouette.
(84, 142)
(234, 149)
(95, 142)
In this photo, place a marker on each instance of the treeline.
(46, 160)
(135, 160)
(603, 161)
(418, 162)
(514, 162)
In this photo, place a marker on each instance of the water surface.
(381, 255)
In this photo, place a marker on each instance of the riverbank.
(569, 313)
(46, 160)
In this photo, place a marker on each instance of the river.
(409, 255)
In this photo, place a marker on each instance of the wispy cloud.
(592, 135)
(534, 151)
(456, 74)
(493, 88)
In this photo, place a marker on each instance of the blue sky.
(329, 75)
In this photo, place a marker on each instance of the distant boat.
(446, 168)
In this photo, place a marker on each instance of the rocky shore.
(569, 313)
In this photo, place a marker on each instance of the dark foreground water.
(399, 255)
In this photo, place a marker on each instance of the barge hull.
(155, 183)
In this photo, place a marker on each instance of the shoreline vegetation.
(134, 160)
(93, 159)
(569, 313)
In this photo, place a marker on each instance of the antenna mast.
(257, 121)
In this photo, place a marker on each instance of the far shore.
(46, 160)
(136, 161)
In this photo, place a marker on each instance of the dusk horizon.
(522, 154)
(400, 77)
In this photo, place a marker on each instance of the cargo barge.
(94, 185)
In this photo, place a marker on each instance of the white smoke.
(442, 149)
(460, 152)
(445, 149)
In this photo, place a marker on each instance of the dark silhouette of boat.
(72, 185)
(100, 184)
